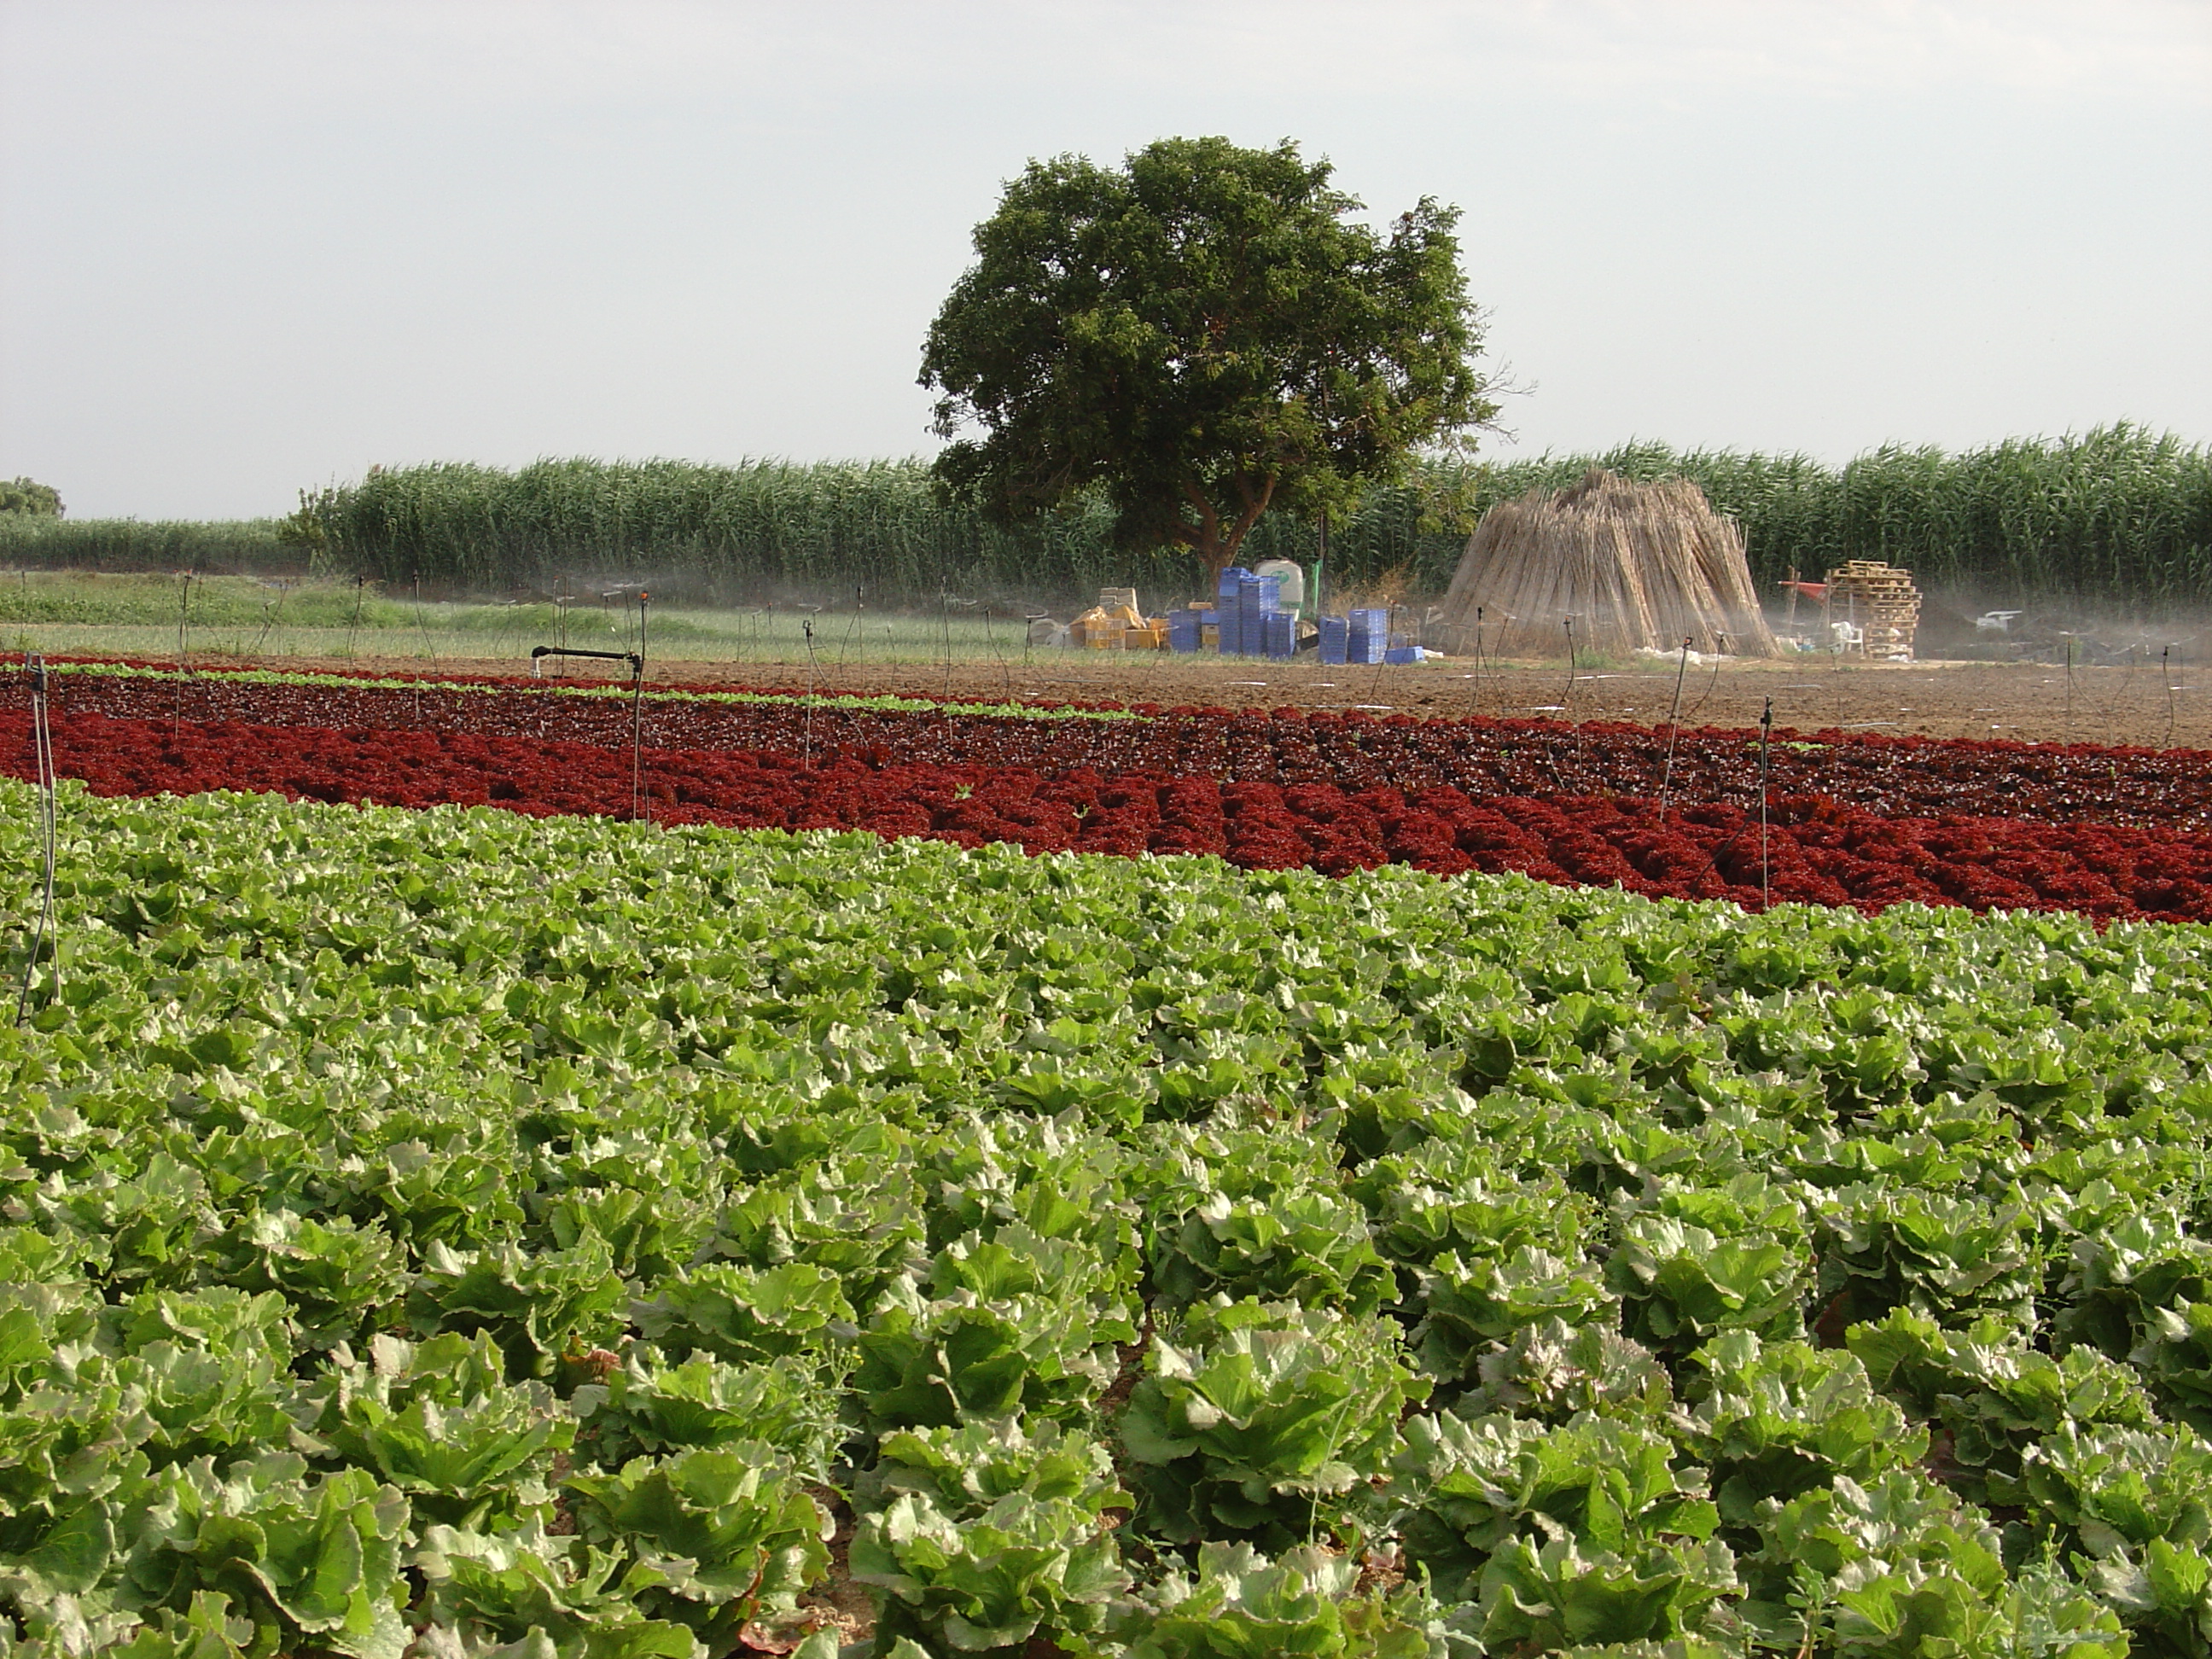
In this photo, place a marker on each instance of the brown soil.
(2025, 702)
(848, 1607)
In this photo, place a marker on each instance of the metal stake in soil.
(1478, 659)
(806, 745)
(2167, 677)
(1674, 730)
(184, 664)
(42, 755)
(2070, 687)
(1766, 731)
(640, 809)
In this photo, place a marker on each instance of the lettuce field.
(478, 1229)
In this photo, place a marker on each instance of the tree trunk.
(1216, 542)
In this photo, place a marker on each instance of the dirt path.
(2030, 702)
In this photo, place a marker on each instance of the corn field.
(2118, 515)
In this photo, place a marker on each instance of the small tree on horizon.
(30, 497)
(1200, 336)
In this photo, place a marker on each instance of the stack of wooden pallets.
(1881, 601)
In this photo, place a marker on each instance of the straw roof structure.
(1625, 565)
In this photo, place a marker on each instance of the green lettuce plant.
(988, 1533)
(1465, 1490)
(727, 1534)
(1241, 1605)
(1775, 1419)
(1264, 1421)
(439, 1422)
(1689, 1262)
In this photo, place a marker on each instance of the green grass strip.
(883, 704)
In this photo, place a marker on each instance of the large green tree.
(1201, 335)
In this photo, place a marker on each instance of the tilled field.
(2153, 703)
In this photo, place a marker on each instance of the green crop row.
(466, 1235)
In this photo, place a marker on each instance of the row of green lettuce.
(623, 691)
(463, 1234)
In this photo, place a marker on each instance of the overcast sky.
(246, 247)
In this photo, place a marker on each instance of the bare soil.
(2150, 705)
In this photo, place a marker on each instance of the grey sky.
(249, 246)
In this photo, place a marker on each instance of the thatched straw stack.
(1634, 565)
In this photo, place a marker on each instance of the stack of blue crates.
(1368, 635)
(1184, 628)
(1335, 633)
(1278, 633)
(1256, 603)
(1230, 634)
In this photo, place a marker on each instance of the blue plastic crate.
(1335, 636)
(1403, 654)
(1278, 633)
(1261, 594)
(1184, 631)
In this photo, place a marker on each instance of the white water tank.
(1290, 582)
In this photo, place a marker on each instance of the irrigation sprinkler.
(2070, 687)
(853, 628)
(2166, 677)
(944, 606)
(990, 638)
(1478, 659)
(636, 661)
(807, 751)
(271, 611)
(640, 811)
(1674, 730)
(184, 664)
(42, 750)
(1766, 733)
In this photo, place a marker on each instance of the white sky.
(246, 247)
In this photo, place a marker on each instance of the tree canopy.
(1201, 335)
(30, 497)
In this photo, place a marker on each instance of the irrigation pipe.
(1707, 696)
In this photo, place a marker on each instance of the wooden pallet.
(1880, 600)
